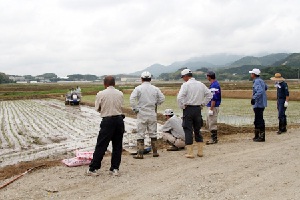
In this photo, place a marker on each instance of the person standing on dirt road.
(109, 103)
(172, 131)
(282, 101)
(192, 95)
(144, 101)
(213, 107)
(259, 102)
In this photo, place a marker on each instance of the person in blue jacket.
(213, 107)
(282, 101)
(259, 103)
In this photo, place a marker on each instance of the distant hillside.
(292, 60)
(261, 61)
(219, 61)
(242, 73)
(242, 70)
(155, 70)
(211, 61)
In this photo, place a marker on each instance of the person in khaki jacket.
(144, 101)
(192, 95)
(109, 103)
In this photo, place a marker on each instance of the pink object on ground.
(82, 158)
(87, 155)
(74, 162)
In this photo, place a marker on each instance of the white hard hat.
(255, 71)
(169, 112)
(185, 72)
(146, 74)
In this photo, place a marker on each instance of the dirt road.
(236, 168)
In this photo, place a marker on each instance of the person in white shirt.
(191, 97)
(144, 101)
(172, 131)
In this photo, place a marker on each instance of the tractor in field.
(73, 97)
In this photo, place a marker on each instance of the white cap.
(146, 74)
(185, 72)
(255, 71)
(169, 112)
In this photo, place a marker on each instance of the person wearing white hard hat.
(259, 102)
(282, 101)
(191, 97)
(144, 101)
(172, 131)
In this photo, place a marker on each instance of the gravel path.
(235, 168)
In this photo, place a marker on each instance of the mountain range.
(223, 61)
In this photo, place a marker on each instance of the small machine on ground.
(73, 97)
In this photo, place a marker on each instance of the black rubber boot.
(261, 137)
(284, 126)
(281, 127)
(154, 147)
(256, 134)
(140, 149)
(214, 137)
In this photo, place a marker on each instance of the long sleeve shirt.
(174, 124)
(193, 93)
(109, 102)
(282, 90)
(145, 98)
(259, 93)
(216, 91)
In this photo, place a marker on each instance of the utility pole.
(298, 74)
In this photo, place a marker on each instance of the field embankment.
(235, 94)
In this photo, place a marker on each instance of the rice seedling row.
(32, 129)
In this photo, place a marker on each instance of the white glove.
(210, 112)
(286, 104)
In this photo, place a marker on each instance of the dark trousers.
(281, 110)
(111, 129)
(259, 122)
(192, 122)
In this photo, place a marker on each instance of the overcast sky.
(122, 36)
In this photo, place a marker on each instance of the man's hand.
(286, 104)
(135, 110)
(210, 112)
(252, 101)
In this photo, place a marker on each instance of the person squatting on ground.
(172, 131)
(192, 95)
(144, 101)
(259, 102)
(213, 107)
(282, 101)
(109, 103)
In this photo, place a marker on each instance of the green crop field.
(232, 111)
